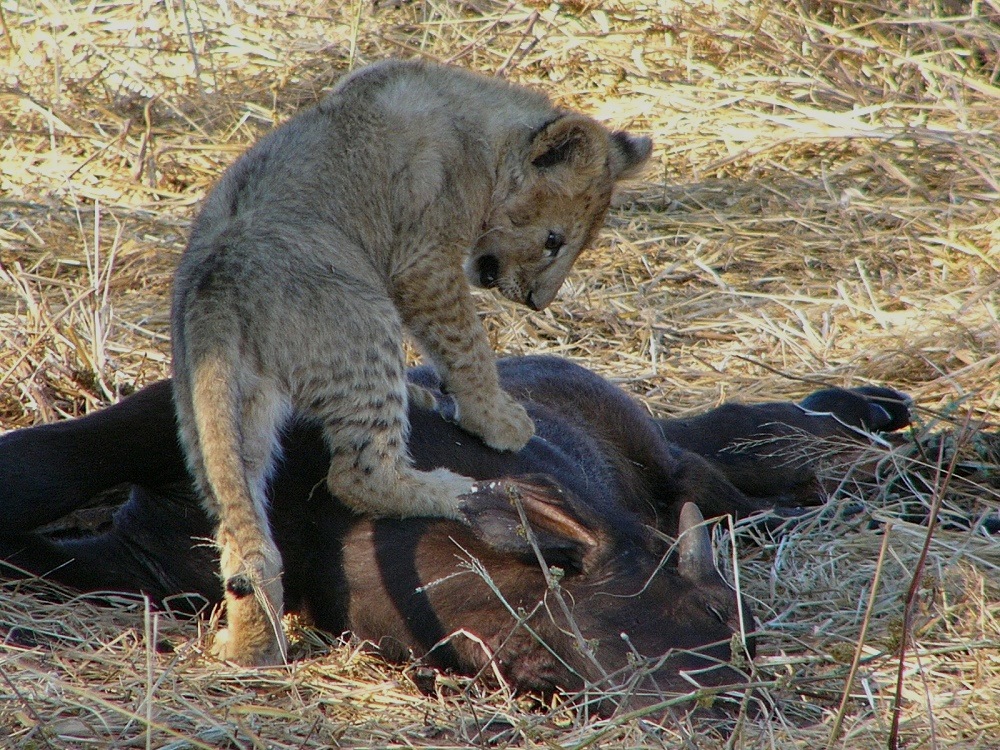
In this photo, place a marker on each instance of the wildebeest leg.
(156, 541)
(764, 470)
(51, 470)
(91, 564)
(156, 545)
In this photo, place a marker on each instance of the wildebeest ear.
(572, 140)
(562, 536)
(628, 153)
(696, 562)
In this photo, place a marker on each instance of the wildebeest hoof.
(894, 405)
(873, 408)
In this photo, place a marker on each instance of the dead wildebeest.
(599, 487)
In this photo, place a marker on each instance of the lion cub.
(364, 215)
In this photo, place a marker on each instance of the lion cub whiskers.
(365, 215)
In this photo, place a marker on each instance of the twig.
(29, 707)
(859, 647)
(552, 584)
(940, 488)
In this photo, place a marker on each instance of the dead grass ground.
(822, 209)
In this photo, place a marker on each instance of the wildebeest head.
(553, 595)
(634, 621)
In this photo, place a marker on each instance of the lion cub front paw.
(501, 422)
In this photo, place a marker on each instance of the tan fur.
(367, 213)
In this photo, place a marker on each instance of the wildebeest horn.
(696, 561)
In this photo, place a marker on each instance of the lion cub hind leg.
(253, 635)
(227, 405)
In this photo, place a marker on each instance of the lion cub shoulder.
(364, 216)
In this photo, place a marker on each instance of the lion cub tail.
(214, 407)
(230, 435)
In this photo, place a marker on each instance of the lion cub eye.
(554, 243)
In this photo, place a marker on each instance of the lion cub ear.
(628, 153)
(572, 141)
(583, 145)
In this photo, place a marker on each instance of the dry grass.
(822, 210)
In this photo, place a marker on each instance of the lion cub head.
(557, 192)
